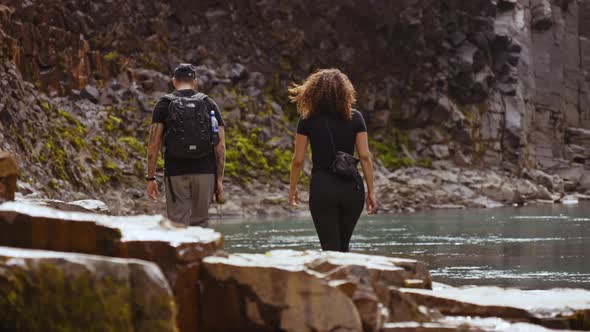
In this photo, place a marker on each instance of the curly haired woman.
(329, 123)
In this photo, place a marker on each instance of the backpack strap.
(170, 97)
(200, 95)
(331, 137)
(204, 98)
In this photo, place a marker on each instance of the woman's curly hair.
(326, 90)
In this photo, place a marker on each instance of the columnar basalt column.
(8, 173)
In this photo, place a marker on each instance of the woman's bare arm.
(301, 142)
(362, 148)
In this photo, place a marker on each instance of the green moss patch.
(388, 146)
(250, 157)
(43, 298)
(112, 123)
(133, 143)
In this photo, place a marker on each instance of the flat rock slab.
(86, 205)
(306, 291)
(556, 308)
(466, 324)
(176, 250)
(54, 291)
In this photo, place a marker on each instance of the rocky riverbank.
(444, 186)
(403, 191)
(48, 279)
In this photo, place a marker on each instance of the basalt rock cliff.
(498, 87)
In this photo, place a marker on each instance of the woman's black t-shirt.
(343, 132)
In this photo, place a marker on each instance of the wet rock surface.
(52, 291)
(554, 309)
(176, 250)
(307, 291)
(465, 324)
(280, 290)
(284, 289)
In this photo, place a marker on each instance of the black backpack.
(188, 127)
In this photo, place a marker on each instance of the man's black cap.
(185, 71)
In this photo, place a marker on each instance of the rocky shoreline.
(406, 190)
(160, 277)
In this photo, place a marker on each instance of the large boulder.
(551, 182)
(177, 250)
(541, 14)
(54, 291)
(579, 136)
(577, 177)
(151, 81)
(556, 308)
(307, 291)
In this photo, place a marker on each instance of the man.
(194, 151)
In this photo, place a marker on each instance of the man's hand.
(220, 163)
(219, 192)
(152, 190)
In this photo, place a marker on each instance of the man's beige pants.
(188, 198)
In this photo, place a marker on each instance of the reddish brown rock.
(306, 291)
(8, 173)
(178, 251)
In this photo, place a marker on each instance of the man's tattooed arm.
(220, 155)
(154, 144)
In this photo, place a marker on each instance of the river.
(537, 247)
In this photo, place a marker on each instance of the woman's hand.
(293, 198)
(362, 148)
(301, 142)
(371, 203)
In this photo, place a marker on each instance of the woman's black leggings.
(336, 205)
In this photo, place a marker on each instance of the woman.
(329, 124)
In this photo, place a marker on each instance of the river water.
(529, 247)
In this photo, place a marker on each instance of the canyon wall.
(482, 84)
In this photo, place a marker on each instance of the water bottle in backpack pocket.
(189, 131)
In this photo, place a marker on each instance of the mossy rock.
(45, 291)
(133, 143)
(390, 153)
(249, 157)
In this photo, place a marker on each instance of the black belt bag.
(344, 164)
